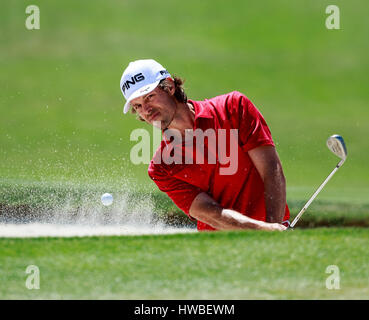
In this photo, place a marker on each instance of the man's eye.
(137, 106)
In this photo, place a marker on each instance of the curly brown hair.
(179, 93)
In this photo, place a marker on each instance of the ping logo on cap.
(136, 78)
(162, 72)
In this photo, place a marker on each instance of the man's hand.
(275, 227)
(206, 209)
(269, 166)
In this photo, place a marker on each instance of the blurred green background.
(61, 106)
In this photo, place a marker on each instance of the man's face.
(157, 105)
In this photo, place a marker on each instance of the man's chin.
(158, 124)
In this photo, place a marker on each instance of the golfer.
(232, 178)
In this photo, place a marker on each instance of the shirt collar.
(200, 110)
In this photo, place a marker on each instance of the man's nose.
(146, 107)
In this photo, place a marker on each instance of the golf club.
(336, 144)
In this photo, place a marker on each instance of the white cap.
(140, 78)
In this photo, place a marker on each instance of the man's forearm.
(268, 165)
(275, 197)
(205, 209)
(230, 220)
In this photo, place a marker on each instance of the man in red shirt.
(217, 160)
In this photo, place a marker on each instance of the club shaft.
(316, 193)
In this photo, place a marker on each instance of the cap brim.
(138, 93)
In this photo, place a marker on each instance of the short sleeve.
(253, 130)
(181, 192)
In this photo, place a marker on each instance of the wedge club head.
(337, 145)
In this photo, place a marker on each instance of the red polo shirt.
(242, 190)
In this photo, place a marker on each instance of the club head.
(337, 145)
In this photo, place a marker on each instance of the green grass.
(223, 265)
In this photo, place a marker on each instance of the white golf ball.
(107, 199)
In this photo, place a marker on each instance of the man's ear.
(171, 86)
